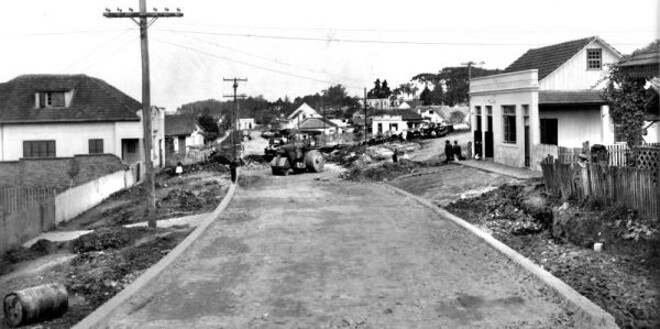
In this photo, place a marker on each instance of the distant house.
(246, 123)
(408, 105)
(645, 64)
(300, 114)
(182, 131)
(395, 121)
(49, 116)
(382, 103)
(548, 96)
(324, 126)
(431, 113)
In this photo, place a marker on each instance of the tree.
(627, 97)
(385, 91)
(375, 91)
(437, 95)
(210, 125)
(425, 96)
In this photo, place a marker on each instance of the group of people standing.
(453, 152)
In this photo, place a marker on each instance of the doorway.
(488, 134)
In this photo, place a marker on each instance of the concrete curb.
(588, 314)
(94, 319)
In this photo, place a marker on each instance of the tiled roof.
(648, 55)
(406, 115)
(317, 123)
(571, 97)
(93, 100)
(180, 124)
(548, 59)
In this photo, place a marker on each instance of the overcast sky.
(299, 47)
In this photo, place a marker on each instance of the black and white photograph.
(330, 164)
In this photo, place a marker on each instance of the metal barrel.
(35, 304)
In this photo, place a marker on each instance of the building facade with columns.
(548, 97)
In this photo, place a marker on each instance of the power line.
(96, 49)
(486, 29)
(251, 65)
(363, 41)
(36, 34)
(273, 60)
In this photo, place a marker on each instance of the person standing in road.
(456, 150)
(448, 151)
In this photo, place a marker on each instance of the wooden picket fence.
(13, 199)
(631, 187)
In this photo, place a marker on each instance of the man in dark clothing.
(448, 151)
(457, 151)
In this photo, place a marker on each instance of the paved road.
(295, 252)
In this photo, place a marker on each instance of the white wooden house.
(297, 117)
(548, 96)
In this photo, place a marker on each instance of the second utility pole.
(142, 15)
(235, 128)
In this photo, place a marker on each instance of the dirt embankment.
(199, 189)
(94, 267)
(624, 279)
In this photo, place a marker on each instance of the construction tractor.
(301, 154)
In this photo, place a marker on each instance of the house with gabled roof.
(182, 132)
(548, 97)
(395, 121)
(54, 116)
(303, 112)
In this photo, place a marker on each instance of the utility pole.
(140, 18)
(235, 128)
(365, 115)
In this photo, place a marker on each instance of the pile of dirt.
(508, 209)
(349, 155)
(108, 238)
(183, 200)
(383, 171)
(622, 279)
(344, 155)
(97, 276)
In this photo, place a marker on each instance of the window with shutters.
(95, 146)
(39, 149)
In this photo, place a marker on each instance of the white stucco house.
(549, 96)
(53, 116)
(395, 121)
(303, 112)
(182, 132)
(246, 123)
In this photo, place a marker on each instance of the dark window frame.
(594, 59)
(95, 145)
(39, 149)
(509, 124)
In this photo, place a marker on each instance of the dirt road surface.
(302, 252)
(434, 149)
(445, 184)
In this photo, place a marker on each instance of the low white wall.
(79, 199)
